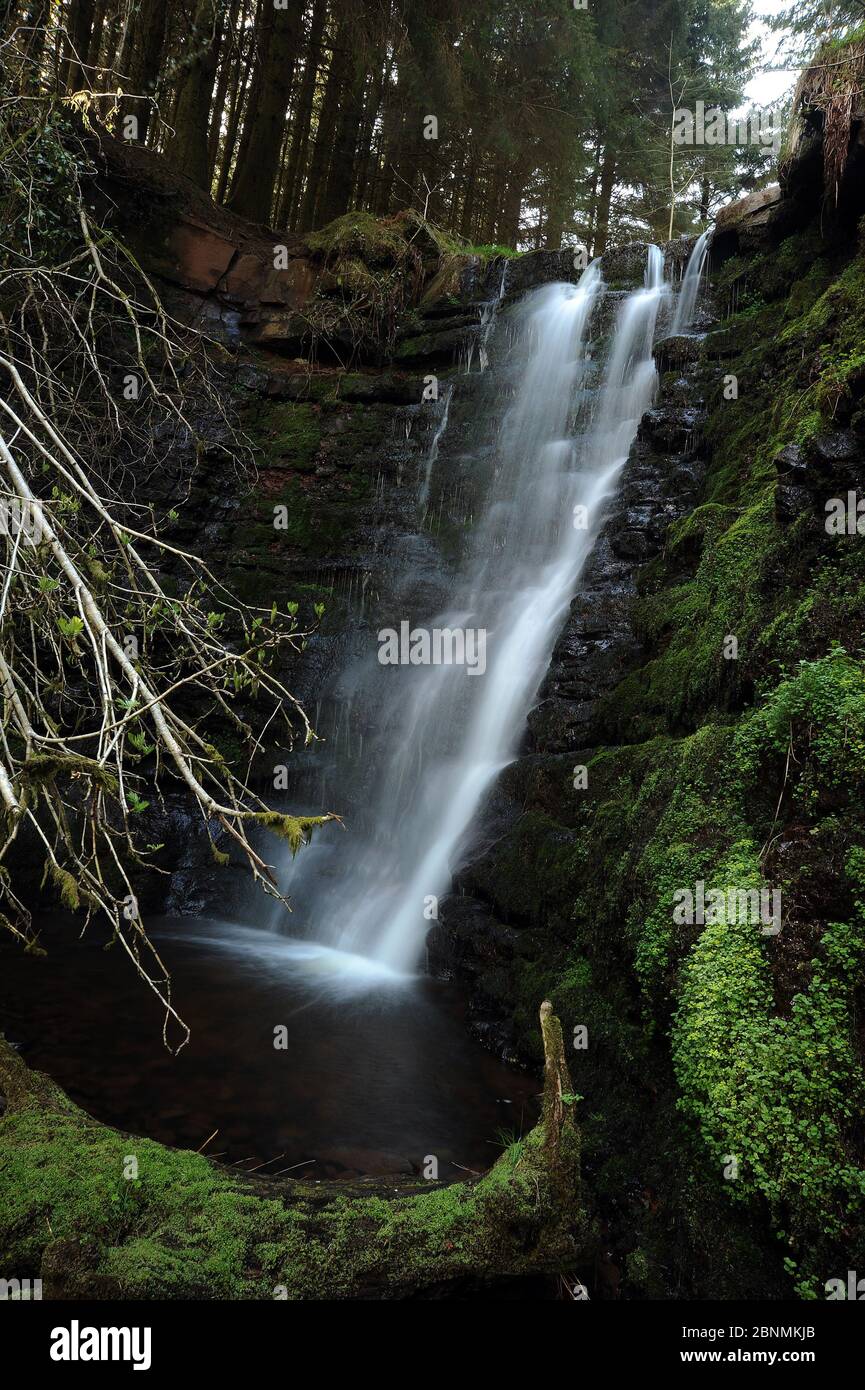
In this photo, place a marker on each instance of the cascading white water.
(445, 733)
(687, 298)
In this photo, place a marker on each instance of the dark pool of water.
(376, 1074)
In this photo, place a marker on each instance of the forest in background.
(507, 123)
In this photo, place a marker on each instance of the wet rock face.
(810, 476)
(678, 351)
(342, 450)
(625, 266)
(537, 268)
(598, 645)
(440, 343)
(837, 454)
(793, 490)
(345, 449)
(670, 429)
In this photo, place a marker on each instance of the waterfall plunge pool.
(378, 1071)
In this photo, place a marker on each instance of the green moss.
(42, 769)
(740, 773)
(67, 885)
(798, 359)
(360, 237)
(491, 251)
(816, 720)
(287, 434)
(295, 830)
(419, 345)
(777, 1096)
(766, 749)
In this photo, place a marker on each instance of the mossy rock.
(360, 238)
(286, 434)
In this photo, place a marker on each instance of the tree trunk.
(313, 196)
(79, 25)
(141, 59)
(188, 151)
(302, 123)
(508, 229)
(605, 193)
(372, 106)
(457, 179)
(239, 85)
(107, 41)
(34, 20)
(492, 205)
(94, 45)
(560, 206)
(391, 143)
(705, 194)
(258, 160)
(336, 198)
(593, 198)
(228, 58)
(467, 219)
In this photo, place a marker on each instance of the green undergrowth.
(777, 1100)
(491, 250)
(765, 1043)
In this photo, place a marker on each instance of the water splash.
(325, 968)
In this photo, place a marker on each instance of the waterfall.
(444, 732)
(687, 300)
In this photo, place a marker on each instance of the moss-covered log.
(101, 1214)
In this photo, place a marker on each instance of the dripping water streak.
(434, 446)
